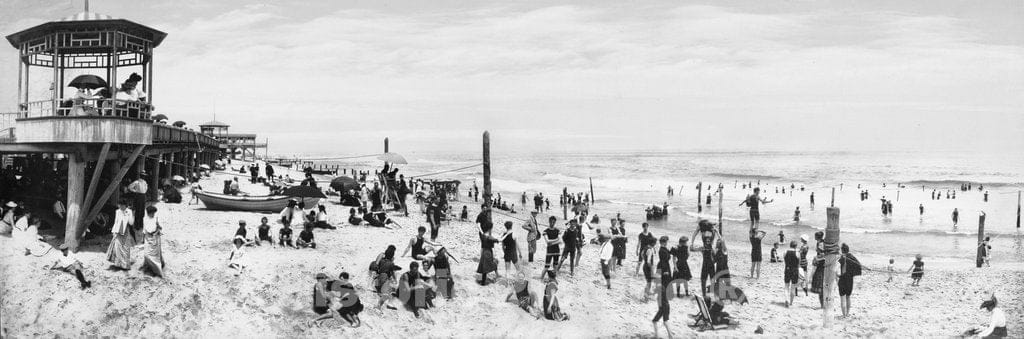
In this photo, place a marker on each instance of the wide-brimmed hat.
(533, 212)
(11, 204)
(803, 237)
(321, 275)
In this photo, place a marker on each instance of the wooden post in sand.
(831, 260)
(386, 144)
(1018, 209)
(720, 195)
(981, 239)
(592, 199)
(487, 173)
(700, 186)
(76, 191)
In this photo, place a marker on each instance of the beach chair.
(703, 319)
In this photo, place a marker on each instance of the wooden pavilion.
(101, 139)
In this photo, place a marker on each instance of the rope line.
(442, 172)
(339, 158)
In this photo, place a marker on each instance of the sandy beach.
(202, 297)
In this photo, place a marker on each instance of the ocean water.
(627, 182)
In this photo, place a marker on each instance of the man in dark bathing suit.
(753, 201)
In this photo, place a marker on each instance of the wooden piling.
(386, 145)
(720, 196)
(592, 199)
(1018, 209)
(700, 187)
(831, 260)
(979, 260)
(487, 172)
(76, 186)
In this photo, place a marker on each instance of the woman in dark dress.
(681, 254)
(619, 245)
(487, 264)
(818, 277)
(722, 267)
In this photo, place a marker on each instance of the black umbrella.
(88, 81)
(179, 123)
(159, 117)
(343, 184)
(303, 192)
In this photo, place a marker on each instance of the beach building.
(83, 137)
(235, 145)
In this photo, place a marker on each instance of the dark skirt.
(755, 254)
(683, 271)
(487, 262)
(819, 277)
(353, 309)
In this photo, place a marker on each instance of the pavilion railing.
(87, 107)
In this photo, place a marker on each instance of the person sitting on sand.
(416, 290)
(306, 237)
(284, 236)
(350, 304)
(321, 299)
(235, 260)
(417, 245)
(321, 218)
(290, 212)
(552, 311)
(263, 233)
(917, 271)
(997, 326)
(171, 195)
(69, 262)
(352, 218)
(522, 296)
(243, 233)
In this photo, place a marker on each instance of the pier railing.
(7, 120)
(86, 107)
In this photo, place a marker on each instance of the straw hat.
(321, 275)
(11, 204)
(803, 237)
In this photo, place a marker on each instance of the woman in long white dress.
(151, 229)
(119, 253)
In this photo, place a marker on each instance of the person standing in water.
(753, 201)
(920, 208)
(796, 215)
(956, 217)
(812, 201)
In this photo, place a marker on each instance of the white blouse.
(150, 224)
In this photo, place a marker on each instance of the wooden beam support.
(96, 174)
(76, 182)
(115, 183)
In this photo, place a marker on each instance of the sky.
(336, 77)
